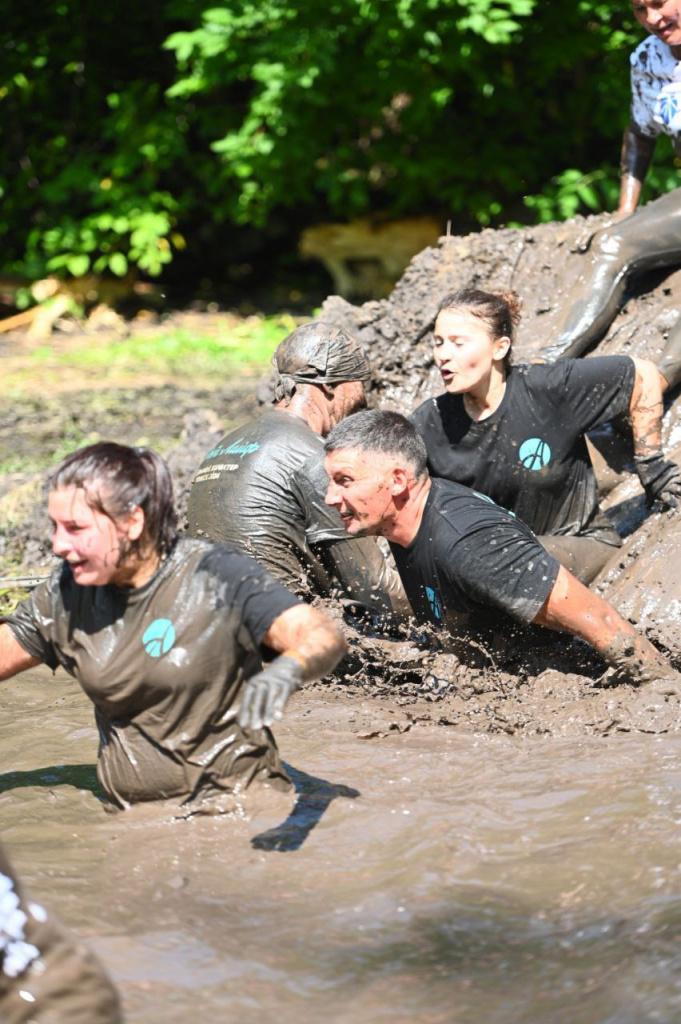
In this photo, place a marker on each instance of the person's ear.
(400, 481)
(502, 346)
(135, 523)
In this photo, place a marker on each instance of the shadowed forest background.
(192, 144)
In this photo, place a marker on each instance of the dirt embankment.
(542, 264)
(548, 685)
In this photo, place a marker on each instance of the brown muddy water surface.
(429, 875)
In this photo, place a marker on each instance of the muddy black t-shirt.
(262, 489)
(472, 560)
(530, 455)
(164, 664)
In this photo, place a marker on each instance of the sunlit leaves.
(124, 133)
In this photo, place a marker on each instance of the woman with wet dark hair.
(164, 635)
(516, 433)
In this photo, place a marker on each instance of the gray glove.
(661, 479)
(266, 694)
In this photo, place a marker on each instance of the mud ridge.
(555, 688)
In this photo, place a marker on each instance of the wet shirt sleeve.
(249, 588)
(593, 391)
(32, 622)
(503, 566)
(644, 90)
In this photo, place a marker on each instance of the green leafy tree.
(88, 139)
(358, 105)
(132, 131)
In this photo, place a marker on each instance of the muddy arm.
(13, 657)
(309, 646)
(660, 477)
(646, 408)
(312, 635)
(637, 153)
(573, 608)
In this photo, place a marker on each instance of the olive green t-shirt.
(164, 664)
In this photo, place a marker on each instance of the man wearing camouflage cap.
(262, 487)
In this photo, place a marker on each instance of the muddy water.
(428, 876)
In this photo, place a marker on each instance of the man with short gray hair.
(466, 563)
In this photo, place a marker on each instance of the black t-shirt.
(262, 489)
(530, 455)
(253, 490)
(471, 560)
(164, 664)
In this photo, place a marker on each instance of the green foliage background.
(134, 133)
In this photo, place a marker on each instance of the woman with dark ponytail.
(165, 635)
(516, 433)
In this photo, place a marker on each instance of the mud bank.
(555, 687)
(542, 264)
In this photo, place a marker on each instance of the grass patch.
(204, 353)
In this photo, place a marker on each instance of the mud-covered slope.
(555, 687)
(542, 264)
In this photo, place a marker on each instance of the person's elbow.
(650, 384)
(311, 632)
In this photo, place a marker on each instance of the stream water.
(430, 876)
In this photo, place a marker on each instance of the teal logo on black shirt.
(159, 637)
(239, 447)
(534, 453)
(434, 602)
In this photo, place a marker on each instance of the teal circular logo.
(159, 637)
(534, 453)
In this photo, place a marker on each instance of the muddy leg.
(650, 238)
(670, 360)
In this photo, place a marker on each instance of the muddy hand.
(661, 479)
(266, 694)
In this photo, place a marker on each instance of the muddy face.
(360, 487)
(661, 19)
(348, 397)
(92, 544)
